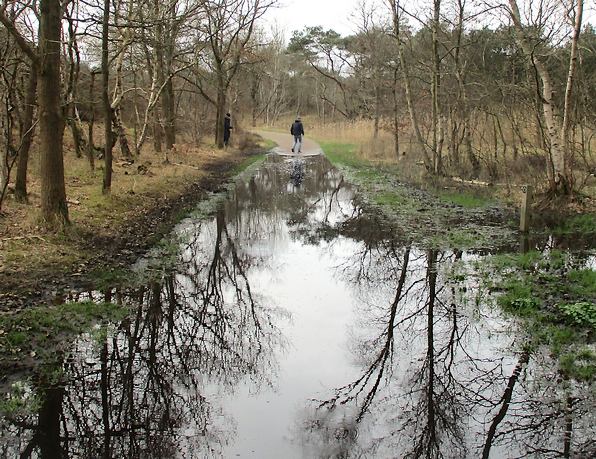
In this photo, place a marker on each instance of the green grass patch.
(582, 282)
(247, 162)
(391, 199)
(20, 401)
(580, 365)
(267, 144)
(342, 154)
(557, 305)
(466, 200)
(519, 298)
(577, 224)
(104, 278)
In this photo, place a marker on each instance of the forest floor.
(107, 233)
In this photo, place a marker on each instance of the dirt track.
(285, 142)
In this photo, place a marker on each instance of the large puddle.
(297, 325)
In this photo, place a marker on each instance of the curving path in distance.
(285, 141)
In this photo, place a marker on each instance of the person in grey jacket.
(297, 130)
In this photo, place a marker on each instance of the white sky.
(292, 15)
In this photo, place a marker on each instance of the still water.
(297, 324)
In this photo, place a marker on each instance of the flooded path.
(295, 324)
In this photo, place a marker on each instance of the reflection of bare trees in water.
(432, 386)
(139, 389)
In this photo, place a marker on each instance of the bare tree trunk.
(121, 133)
(568, 159)
(395, 116)
(27, 132)
(395, 8)
(221, 112)
(107, 106)
(54, 208)
(157, 133)
(435, 89)
(169, 111)
(560, 183)
(91, 144)
(377, 108)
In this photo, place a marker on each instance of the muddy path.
(299, 323)
(285, 142)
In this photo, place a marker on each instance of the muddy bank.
(110, 255)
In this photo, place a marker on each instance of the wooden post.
(524, 220)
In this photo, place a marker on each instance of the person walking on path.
(297, 130)
(227, 128)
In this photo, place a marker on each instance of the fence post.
(526, 204)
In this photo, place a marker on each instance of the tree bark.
(395, 7)
(107, 106)
(54, 209)
(91, 144)
(568, 153)
(560, 183)
(435, 89)
(27, 132)
(221, 113)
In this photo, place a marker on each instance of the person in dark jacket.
(227, 128)
(297, 130)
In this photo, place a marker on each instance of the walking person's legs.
(297, 143)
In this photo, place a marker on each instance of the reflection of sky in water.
(283, 303)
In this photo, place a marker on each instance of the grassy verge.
(429, 218)
(555, 295)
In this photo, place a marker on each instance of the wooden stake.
(525, 212)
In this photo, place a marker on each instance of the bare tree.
(229, 25)
(560, 170)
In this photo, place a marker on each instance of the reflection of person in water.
(297, 172)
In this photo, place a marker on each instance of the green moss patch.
(39, 332)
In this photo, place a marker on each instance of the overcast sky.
(296, 14)
(292, 15)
